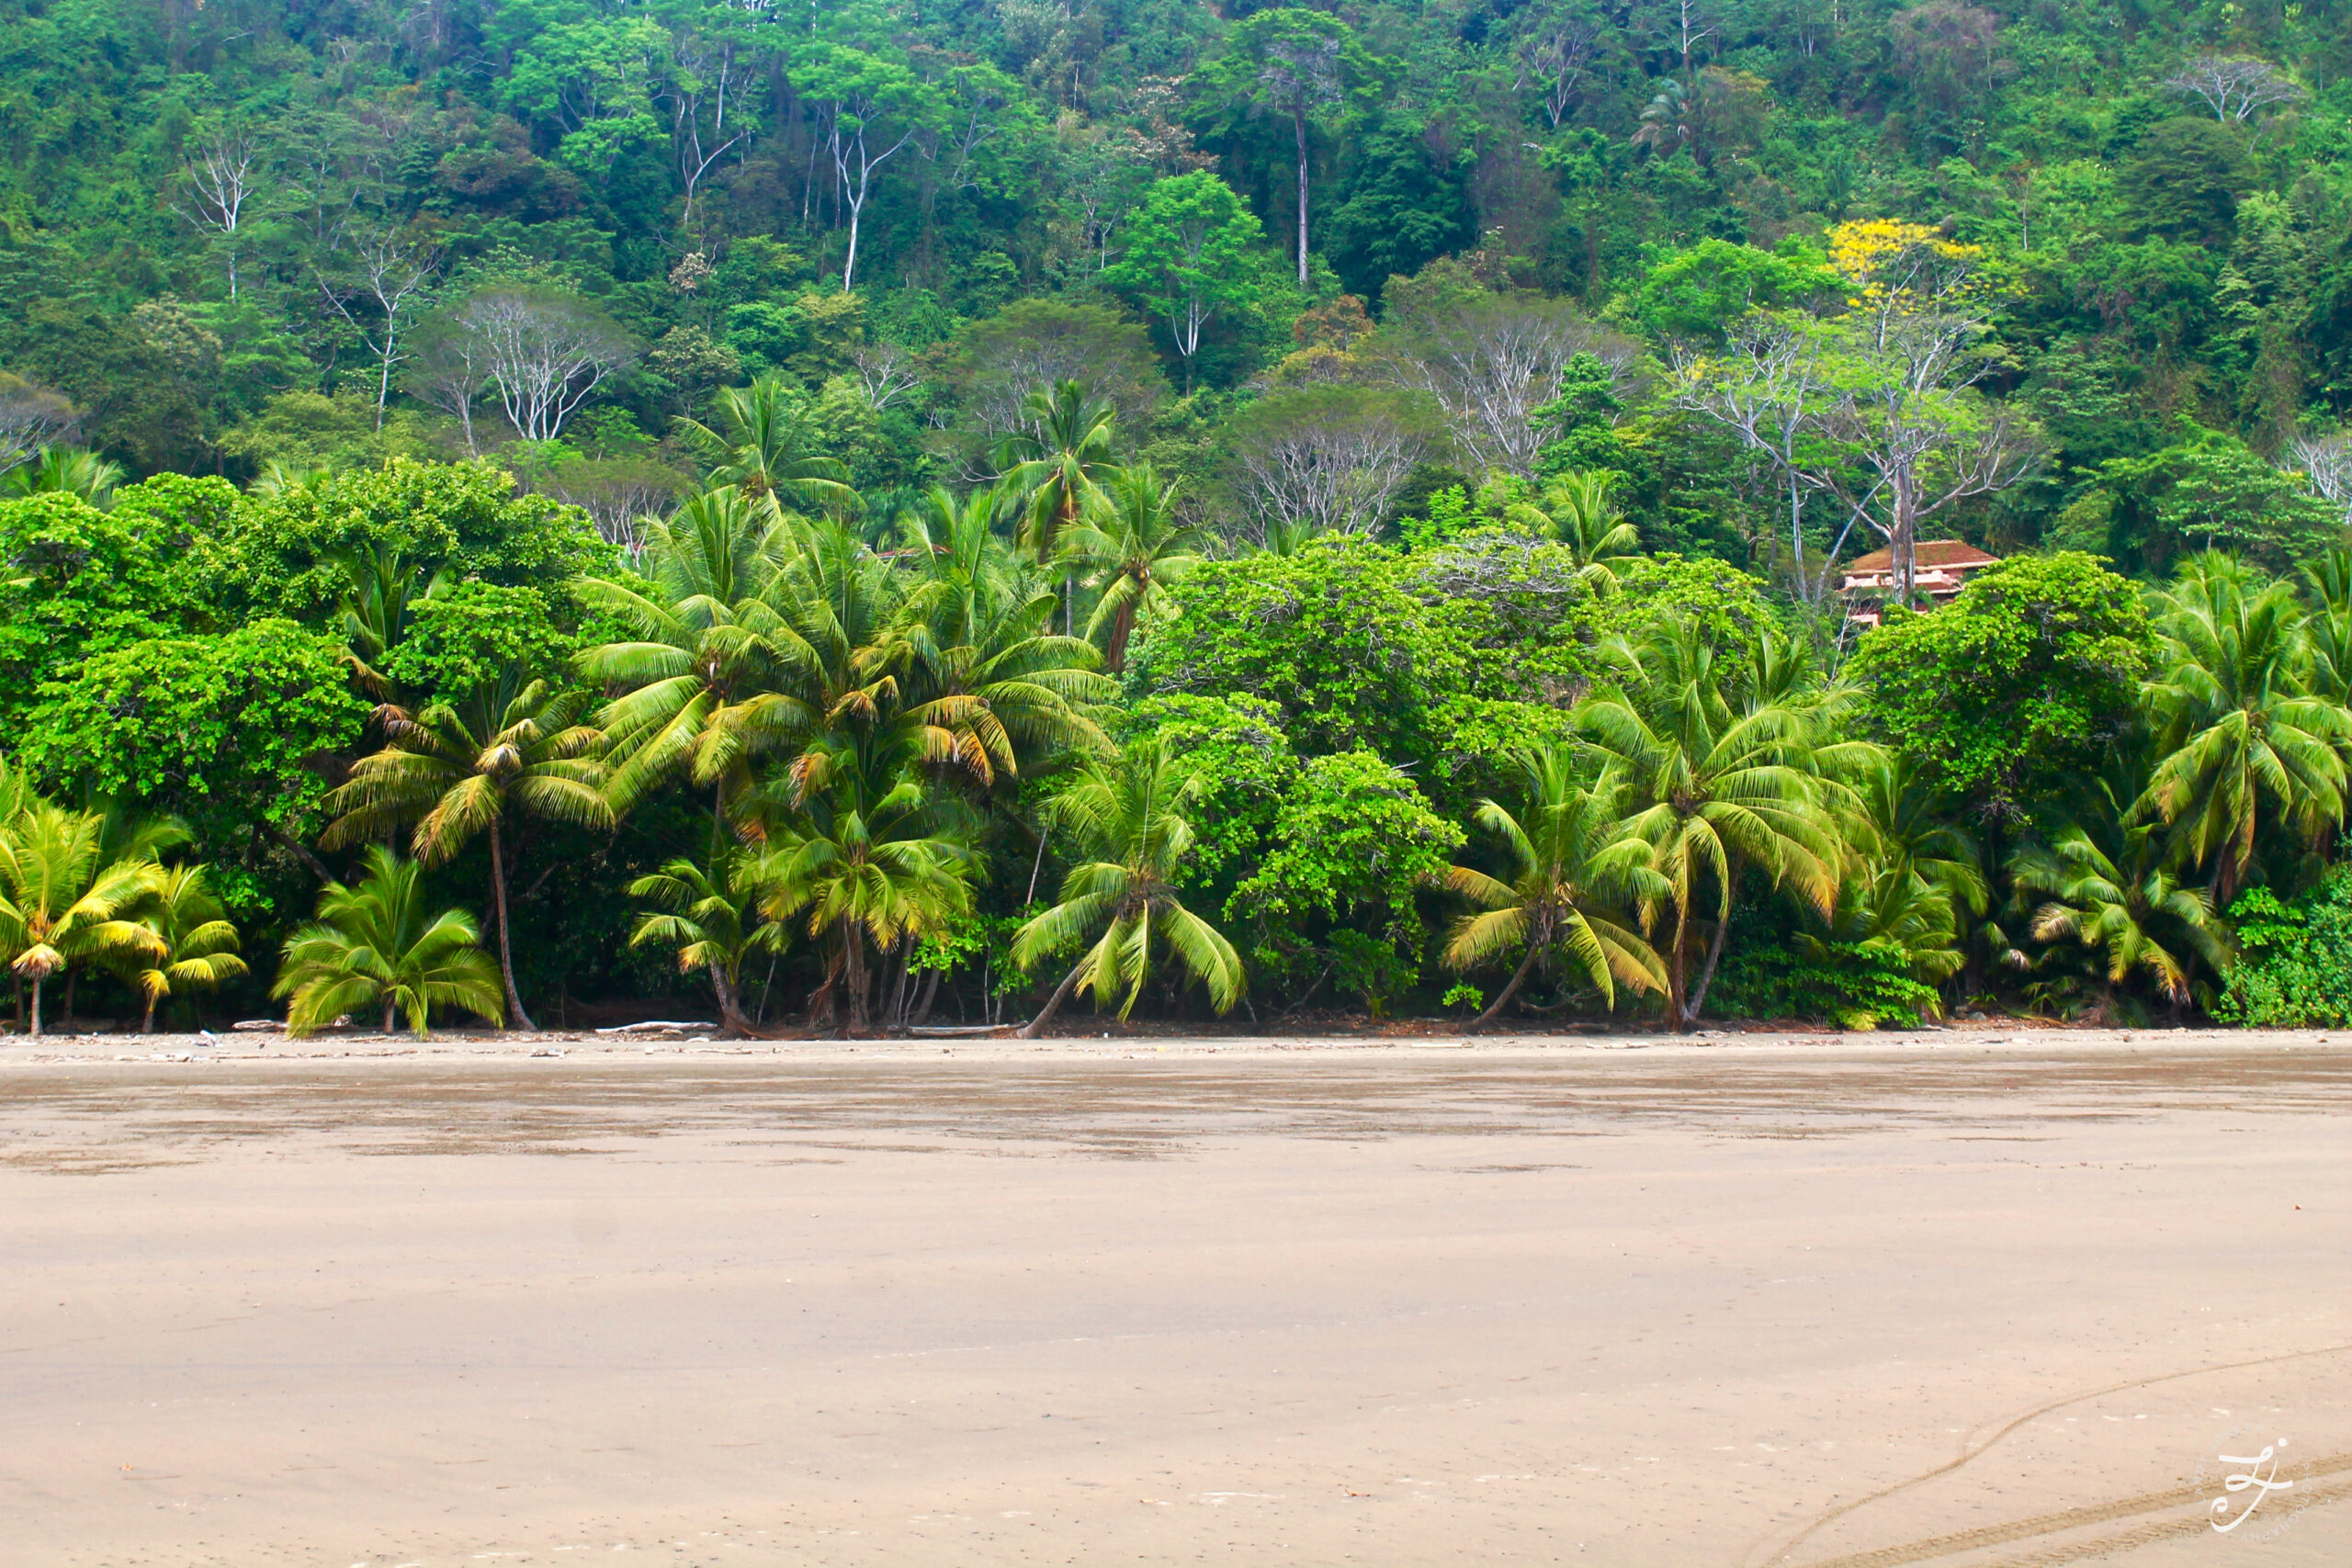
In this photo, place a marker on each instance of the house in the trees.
(1940, 568)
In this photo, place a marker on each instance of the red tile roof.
(1926, 553)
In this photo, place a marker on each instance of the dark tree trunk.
(1054, 1002)
(1518, 979)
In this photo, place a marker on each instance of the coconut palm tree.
(1575, 872)
(762, 446)
(2242, 736)
(985, 672)
(378, 606)
(1129, 815)
(1133, 539)
(1717, 788)
(63, 900)
(376, 945)
(70, 470)
(714, 924)
(707, 633)
(196, 945)
(456, 768)
(1590, 526)
(859, 852)
(1059, 461)
(2107, 886)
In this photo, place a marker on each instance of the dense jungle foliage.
(867, 514)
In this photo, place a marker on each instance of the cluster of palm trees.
(89, 890)
(856, 719)
(1693, 777)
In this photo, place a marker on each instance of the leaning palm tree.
(860, 853)
(1717, 788)
(762, 445)
(1058, 461)
(1574, 871)
(196, 946)
(1590, 526)
(375, 945)
(1130, 815)
(714, 924)
(2241, 735)
(62, 900)
(2107, 886)
(1133, 540)
(456, 768)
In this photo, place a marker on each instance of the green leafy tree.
(376, 945)
(1299, 64)
(1130, 815)
(2021, 683)
(2294, 961)
(1353, 843)
(1186, 254)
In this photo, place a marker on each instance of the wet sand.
(1999, 1297)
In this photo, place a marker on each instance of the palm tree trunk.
(1517, 980)
(854, 975)
(730, 1006)
(1054, 1002)
(930, 995)
(1675, 969)
(1122, 625)
(390, 1001)
(506, 947)
(147, 1024)
(1715, 944)
(1707, 973)
(35, 1034)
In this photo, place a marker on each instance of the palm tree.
(69, 471)
(708, 634)
(1134, 539)
(278, 479)
(374, 944)
(1130, 815)
(1717, 788)
(457, 767)
(986, 676)
(1589, 524)
(197, 946)
(2239, 731)
(1573, 870)
(1059, 461)
(378, 608)
(62, 899)
(714, 924)
(2108, 887)
(761, 447)
(860, 850)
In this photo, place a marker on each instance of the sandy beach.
(1959, 1297)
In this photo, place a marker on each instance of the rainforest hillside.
(875, 512)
